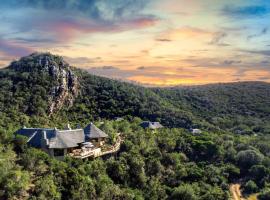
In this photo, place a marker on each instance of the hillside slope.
(243, 107)
(44, 89)
(165, 164)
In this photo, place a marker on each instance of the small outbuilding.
(195, 131)
(151, 125)
(118, 119)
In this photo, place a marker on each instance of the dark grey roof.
(66, 139)
(151, 125)
(52, 138)
(35, 135)
(92, 132)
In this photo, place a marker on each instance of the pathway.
(236, 192)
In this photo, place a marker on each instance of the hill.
(242, 107)
(168, 163)
(43, 89)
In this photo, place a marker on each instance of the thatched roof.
(93, 132)
(60, 139)
(52, 138)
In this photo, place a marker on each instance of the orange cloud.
(185, 32)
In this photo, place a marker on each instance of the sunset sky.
(153, 42)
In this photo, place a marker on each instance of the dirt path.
(236, 192)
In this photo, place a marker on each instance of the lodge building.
(58, 143)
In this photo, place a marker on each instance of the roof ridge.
(70, 130)
(32, 136)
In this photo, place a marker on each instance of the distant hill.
(42, 89)
(242, 107)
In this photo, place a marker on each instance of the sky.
(151, 42)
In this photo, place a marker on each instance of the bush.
(183, 192)
(248, 158)
(264, 195)
(250, 187)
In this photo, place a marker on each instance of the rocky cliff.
(65, 85)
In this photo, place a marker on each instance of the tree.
(183, 192)
(250, 187)
(258, 172)
(232, 171)
(264, 195)
(247, 158)
(45, 188)
(20, 143)
(117, 170)
(17, 183)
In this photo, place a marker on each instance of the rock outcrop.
(65, 87)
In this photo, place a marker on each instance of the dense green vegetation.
(164, 164)
(242, 108)
(170, 163)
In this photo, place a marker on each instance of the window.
(58, 152)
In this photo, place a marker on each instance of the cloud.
(63, 29)
(93, 9)
(263, 32)
(265, 62)
(163, 40)
(34, 40)
(141, 68)
(260, 52)
(64, 20)
(156, 72)
(81, 60)
(12, 49)
(264, 78)
(245, 11)
(185, 31)
(240, 72)
(217, 39)
(231, 62)
(105, 68)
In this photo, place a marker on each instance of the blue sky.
(153, 42)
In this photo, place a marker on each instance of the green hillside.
(27, 91)
(242, 107)
(42, 90)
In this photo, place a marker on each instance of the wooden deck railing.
(97, 152)
(113, 148)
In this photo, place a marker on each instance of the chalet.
(151, 125)
(59, 143)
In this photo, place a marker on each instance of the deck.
(98, 151)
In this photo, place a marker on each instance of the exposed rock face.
(65, 89)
